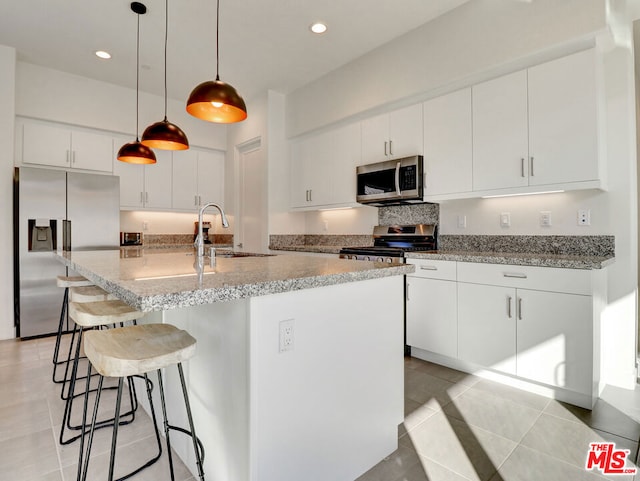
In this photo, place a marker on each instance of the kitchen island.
(322, 402)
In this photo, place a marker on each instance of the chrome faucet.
(199, 243)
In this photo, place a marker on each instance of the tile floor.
(457, 427)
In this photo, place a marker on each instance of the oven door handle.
(398, 178)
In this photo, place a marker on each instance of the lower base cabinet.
(536, 325)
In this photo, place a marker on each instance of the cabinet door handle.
(73, 156)
(509, 299)
(68, 156)
(310, 195)
(142, 197)
(522, 167)
(428, 268)
(531, 168)
(391, 147)
(146, 197)
(520, 308)
(516, 275)
(199, 200)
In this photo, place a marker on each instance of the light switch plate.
(545, 218)
(505, 219)
(462, 221)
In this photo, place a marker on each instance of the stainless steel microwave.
(397, 181)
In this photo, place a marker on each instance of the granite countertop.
(518, 259)
(158, 279)
(321, 249)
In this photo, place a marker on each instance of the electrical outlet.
(584, 217)
(545, 218)
(286, 335)
(462, 221)
(505, 219)
(145, 225)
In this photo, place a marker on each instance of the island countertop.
(161, 280)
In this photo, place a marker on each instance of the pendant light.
(214, 100)
(135, 152)
(165, 135)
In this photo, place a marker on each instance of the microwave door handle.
(398, 178)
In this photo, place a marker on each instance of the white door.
(487, 326)
(500, 135)
(251, 227)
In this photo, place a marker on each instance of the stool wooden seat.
(65, 282)
(101, 313)
(89, 294)
(89, 315)
(133, 351)
(137, 349)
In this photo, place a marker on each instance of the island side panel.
(328, 409)
(217, 378)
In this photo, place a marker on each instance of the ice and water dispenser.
(42, 234)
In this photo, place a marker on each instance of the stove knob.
(367, 258)
(389, 260)
(380, 259)
(355, 257)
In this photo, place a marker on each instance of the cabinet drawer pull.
(515, 275)
(520, 308)
(522, 167)
(428, 268)
(509, 307)
(531, 168)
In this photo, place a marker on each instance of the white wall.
(359, 220)
(165, 222)
(479, 38)
(7, 121)
(49, 94)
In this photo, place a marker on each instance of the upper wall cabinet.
(144, 186)
(392, 136)
(324, 168)
(58, 145)
(447, 144)
(198, 178)
(537, 127)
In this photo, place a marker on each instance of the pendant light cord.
(137, 79)
(166, 35)
(218, 41)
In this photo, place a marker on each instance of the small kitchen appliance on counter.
(130, 238)
(206, 225)
(391, 242)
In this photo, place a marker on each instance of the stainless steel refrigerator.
(56, 210)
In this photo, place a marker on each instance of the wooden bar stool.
(132, 351)
(66, 282)
(93, 315)
(79, 294)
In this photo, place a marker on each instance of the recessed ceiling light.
(103, 54)
(318, 27)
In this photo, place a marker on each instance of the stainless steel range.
(391, 242)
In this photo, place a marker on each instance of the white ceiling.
(264, 44)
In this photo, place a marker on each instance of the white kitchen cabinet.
(500, 144)
(510, 320)
(563, 124)
(144, 186)
(487, 326)
(198, 178)
(537, 127)
(59, 145)
(324, 168)
(448, 161)
(555, 338)
(393, 135)
(431, 307)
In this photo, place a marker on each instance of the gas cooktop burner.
(391, 242)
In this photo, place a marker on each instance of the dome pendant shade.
(165, 135)
(216, 101)
(136, 153)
